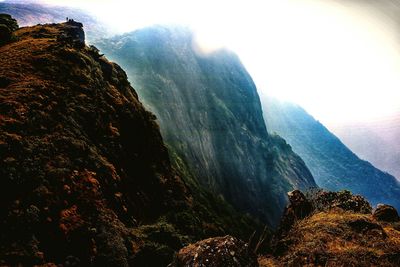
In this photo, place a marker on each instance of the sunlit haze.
(338, 59)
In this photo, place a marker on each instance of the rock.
(299, 203)
(217, 251)
(299, 208)
(363, 225)
(9, 21)
(386, 213)
(73, 33)
(7, 26)
(345, 200)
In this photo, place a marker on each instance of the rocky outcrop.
(74, 30)
(7, 27)
(215, 252)
(73, 34)
(345, 200)
(386, 213)
(299, 207)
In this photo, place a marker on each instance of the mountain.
(210, 115)
(333, 165)
(375, 141)
(85, 177)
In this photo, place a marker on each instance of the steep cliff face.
(210, 114)
(333, 165)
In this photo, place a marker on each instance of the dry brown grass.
(338, 238)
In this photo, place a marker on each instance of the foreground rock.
(386, 213)
(215, 252)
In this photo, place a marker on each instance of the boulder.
(7, 26)
(9, 21)
(217, 251)
(386, 213)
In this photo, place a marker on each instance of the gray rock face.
(210, 114)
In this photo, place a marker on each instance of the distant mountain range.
(333, 165)
(378, 142)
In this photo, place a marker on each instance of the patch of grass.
(341, 238)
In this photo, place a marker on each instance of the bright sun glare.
(341, 63)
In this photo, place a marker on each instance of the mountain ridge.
(334, 166)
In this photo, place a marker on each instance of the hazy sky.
(339, 59)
